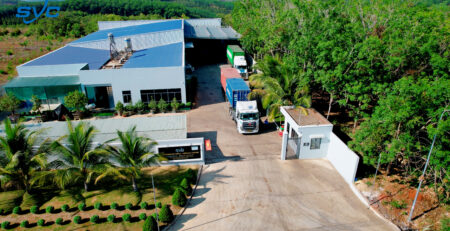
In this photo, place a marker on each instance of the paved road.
(245, 186)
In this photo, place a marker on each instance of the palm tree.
(278, 86)
(135, 152)
(19, 158)
(76, 159)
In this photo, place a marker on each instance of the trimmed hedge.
(150, 224)
(5, 224)
(81, 206)
(142, 216)
(114, 205)
(94, 219)
(178, 198)
(65, 207)
(77, 219)
(126, 217)
(24, 224)
(187, 189)
(34, 209)
(98, 205)
(59, 221)
(16, 210)
(144, 205)
(191, 176)
(49, 209)
(128, 206)
(165, 214)
(111, 218)
(41, 222)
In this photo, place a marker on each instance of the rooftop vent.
(113, 53)
(128, 46)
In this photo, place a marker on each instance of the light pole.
(424, 170)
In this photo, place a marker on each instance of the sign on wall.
(180, 153)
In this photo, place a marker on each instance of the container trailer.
(236, 57)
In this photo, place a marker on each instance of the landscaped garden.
(71, 183)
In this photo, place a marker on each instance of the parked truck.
(245, 113)
(227, 72)
(236, 57)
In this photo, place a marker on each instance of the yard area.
(166, 178)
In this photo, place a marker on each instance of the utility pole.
(424, 170)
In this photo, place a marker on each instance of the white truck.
(236, 57)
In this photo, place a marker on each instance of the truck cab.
(247, 117)
(241, 65)
(236, 57)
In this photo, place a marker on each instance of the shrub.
(81, 206)
(16, 210)
(126, 217)
(162, 105)
(154, 215)
(24, 224)
(128, 206)
(150, 224)
(5, 224)
(59, 221)
(49, 209)
(178, 198)
(144, 205)
(64, 208)
(98, 205)
(174, 104)
(34, 209)
(41, 222)
(114, 205)
(152, 104)
(76, 100)
(111, 218)
(159, 204)
(188, 104)
(94, 219)
(130, 107)
(165, 214)
(191, 176)
(187, 189)
(140, 106)
(398, 204)
(9, 52)
(142, 216)
(77, 219)
(119, 107)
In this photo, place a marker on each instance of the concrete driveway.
(245, 186)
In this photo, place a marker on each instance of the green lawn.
(167, 178)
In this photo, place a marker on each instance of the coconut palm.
(134, 153)
(278, 86)
(76, 157)
(19, 156)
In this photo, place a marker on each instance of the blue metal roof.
(71, 55)
(163, 56)
(133, 30)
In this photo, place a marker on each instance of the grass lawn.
(167, 178)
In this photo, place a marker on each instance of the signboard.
(208, 145)
(180, 153)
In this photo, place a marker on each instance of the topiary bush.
(142, 216)
(65, 208)
(5, 224)
(77, 219)
(24, 224)
(158, 204)
(94, 219)
(144, 205)
(166, 214)
(155, 215)
(59, 221)
(187, 189)
(126, 217)
(98, 205)
(178, 198)
(191, 176)
(114, 205)
(150, 224)
(16, 210)
(49, 209)
(41, 222)
(34, 209)
(111, 218)
(81, 206)
(128, 206)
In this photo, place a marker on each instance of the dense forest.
(385, 63)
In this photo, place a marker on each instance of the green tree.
(18, 159)
(278, 86)
(9, 102)
(37, 104)
(135, 152)
(76, 100)
(77, 158)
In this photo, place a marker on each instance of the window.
(126, 96)
(315, 143)
(166, 94)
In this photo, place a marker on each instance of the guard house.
(306, 134)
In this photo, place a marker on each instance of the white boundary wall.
(344, 160)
